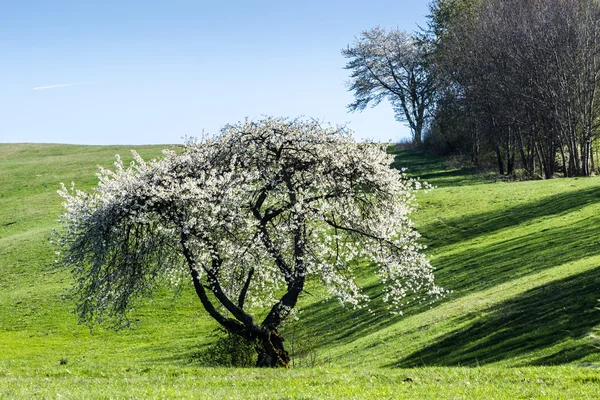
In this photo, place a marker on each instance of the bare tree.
(391, 66)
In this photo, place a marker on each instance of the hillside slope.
(522, 259)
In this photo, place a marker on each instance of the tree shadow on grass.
(434, 170)
(537, 319)
(331, 323)
(474, 269)
(450, 231)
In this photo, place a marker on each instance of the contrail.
(56, 86)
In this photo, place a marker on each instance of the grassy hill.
(522, 259)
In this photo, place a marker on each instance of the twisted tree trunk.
(271, 352)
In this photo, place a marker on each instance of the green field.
(522, 260)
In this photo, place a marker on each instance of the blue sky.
(144, 72)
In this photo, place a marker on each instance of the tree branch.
(359, 232)
(228, 323)
(244, 291)
(215, 286)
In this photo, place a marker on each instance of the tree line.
(508, 82)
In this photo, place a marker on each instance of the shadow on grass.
(330, 323)
(434, 170)
(450, 231)
(481, 268)
(538, 319)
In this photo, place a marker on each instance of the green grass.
(320, 382)
(522, 259)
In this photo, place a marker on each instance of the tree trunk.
(545, 162)
(592, 160)
(271, 352)
(564, 161)
(526, 160)
(585, 158)
(499, 157)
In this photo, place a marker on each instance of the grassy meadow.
(522, 260)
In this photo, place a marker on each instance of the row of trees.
(511, 79)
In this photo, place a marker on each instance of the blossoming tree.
(249, 215)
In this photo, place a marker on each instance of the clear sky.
(144, 72)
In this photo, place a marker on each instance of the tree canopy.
(250, 215)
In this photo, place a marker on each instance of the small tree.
(391, 66)
(250, 215)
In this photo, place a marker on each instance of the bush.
(229, 350)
